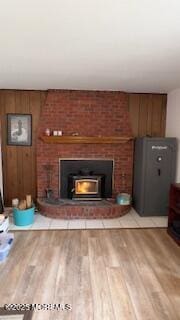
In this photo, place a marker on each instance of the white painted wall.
(173, 122)
(1, 184)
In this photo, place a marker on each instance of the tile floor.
(130, 220)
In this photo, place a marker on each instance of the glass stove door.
(86, 186)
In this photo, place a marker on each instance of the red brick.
(88, 113)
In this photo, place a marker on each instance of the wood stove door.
(86, 187)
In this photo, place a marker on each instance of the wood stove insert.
(86, 187)
(86, 179)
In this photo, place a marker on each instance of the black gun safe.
(154, 171)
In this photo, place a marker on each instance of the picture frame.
(19, 129)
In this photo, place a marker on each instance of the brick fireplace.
(85, 114)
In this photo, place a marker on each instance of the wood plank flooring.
(118, 274)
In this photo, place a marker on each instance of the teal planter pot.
(23, 217)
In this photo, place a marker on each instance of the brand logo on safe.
(159, 147)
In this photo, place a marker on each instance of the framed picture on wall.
(19, 129)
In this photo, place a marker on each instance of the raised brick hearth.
(88, 113)
(67, 209)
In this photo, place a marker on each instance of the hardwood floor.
(117, 274)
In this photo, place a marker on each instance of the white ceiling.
(130, 45)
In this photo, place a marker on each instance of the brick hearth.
(68, 209)
(87, 113)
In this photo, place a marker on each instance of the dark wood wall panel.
(148, 114)
(19, 162)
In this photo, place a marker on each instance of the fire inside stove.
(86, 186)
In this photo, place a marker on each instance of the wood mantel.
(82, 139)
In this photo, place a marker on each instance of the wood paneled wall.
(19, 162)
(148, 114)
